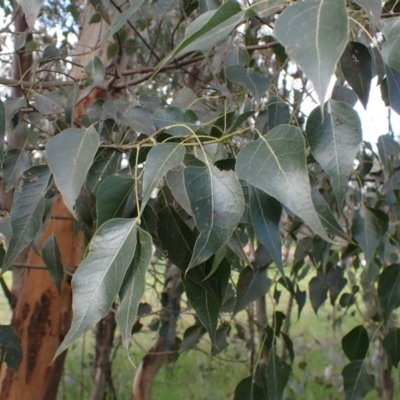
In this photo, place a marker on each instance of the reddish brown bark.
(42, 316)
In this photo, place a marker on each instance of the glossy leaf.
(111, 197)
(334, 140)
(249, 390)
(391, 344)
(70, 155)
(16, 161)
(356, 380)
(209, 29)
(237, 56)
(355, 343)
(175, 182)
(256, 83)
(276, 164)
(356, 63)
(217, 203)
(265, 214)
(27, 211)
(373, 9)
(104, 164)
(160, 159)
(31, 9)
(134, 285)
(52, 258)
(10, 344)
(170, 116)
(119, 21)
(191, 337)
(367, 231)
(220, 343)
(278, 373)
(276, 113)
(99, 277)
(206, 296)
(391, 46)
(389, 289)
(252, 284)
(314, 34)
(176, 237)
(318, 288)
(388, 149)
(393, 83)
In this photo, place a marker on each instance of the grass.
(198, 376)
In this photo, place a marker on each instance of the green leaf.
(50, 53)
(252, 284)
(31, 9)
(176, 237)
(278, 374)
(276, 113)
(249, 390)
(101, 8)
(27, 211)
(391, 344)
(334, 140)
(276, 164)
(104, 164)
(70, 155)
(120, 20)
(2, 130)
(94, 71)
(389, 289)
(111, 197)
(100, 275)
(217, 203)
(315, 33)
(206, 296)
(389, 150)
(209, 29)
(373, 9)
(356, 63)
(355, 344)
(393, 83)
(50, 103)
(256, 83)
(10, 343)
(133, 287)
(318, 288)
(52, 258)
(237, 56)
(208, 5)
(16, 161)
(368, 232)
(357, 382)
(391, 46)
(176, 184)
(220, 343)
(159, 161)
(265, 214)
(191, 337)
(170, 116)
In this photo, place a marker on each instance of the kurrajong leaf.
(252, 284)
(356, 63)
(356, 380)
(314, 34)
(389, 289)
(391, 344)
(278, 373)
(10, 344)
(31, 9)
(99, 277)
(334, 140)
(391, 46)
(27, 211)
(265, 214)
(159, 161)
(52, 258)
(70, 155)
(276, 164)
(133, 287)
(355, 343)
(373, 9)
(217, 204)
(16, 161)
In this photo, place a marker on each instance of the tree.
(180, 134)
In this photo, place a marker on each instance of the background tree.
(175, 131)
